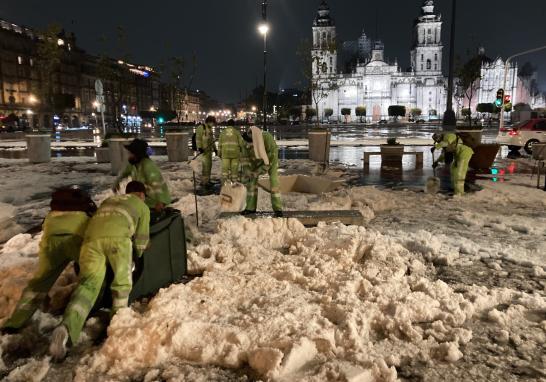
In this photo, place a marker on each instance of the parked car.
(524, 134)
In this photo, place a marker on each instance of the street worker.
(63, 232)
(260, 155)
(451, 143)
(205, 145)
(142, 169)
(119, 229)
(229, 146)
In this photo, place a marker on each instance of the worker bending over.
(63, 232)
(119, 228)
(142, 169)
(451, 143)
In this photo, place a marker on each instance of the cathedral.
(367, 79)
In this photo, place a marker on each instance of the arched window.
(436, 57)
(429, 64)
(324, 67)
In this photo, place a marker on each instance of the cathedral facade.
(373, 82)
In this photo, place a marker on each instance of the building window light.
(20, 60)
(60, 42)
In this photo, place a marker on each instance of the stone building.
(373, 81)
(129, 89)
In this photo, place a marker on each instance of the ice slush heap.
(328, 303)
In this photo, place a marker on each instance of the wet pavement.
(400, 175)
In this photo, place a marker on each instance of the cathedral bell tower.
(324, 42)
(426, 55)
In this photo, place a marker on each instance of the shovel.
(433, 183)
(195, 191)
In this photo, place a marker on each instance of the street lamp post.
(506, 69)
(264, 30)
(449, 115)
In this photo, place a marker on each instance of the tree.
(295, 112)
(360, 111)
(175, 71)
(486, 108)
(397, 111)
(49, 55)
(318, 86)
(416, 112)
(346, 112)
(328, 113)
(116, 77)
(310, 113)
(469, 75)
(522, 107)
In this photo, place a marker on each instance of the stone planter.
(119, 156)
(392, 153)
(38, 148)
(471, 137)
(177, 147)
(319, 145)
(102, 154)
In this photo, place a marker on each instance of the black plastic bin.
(165, 261)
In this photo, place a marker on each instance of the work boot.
(58, 346)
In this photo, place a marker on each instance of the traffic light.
(160, 120)
(507, 99)
(500, 98)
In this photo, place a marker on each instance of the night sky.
(229, 50)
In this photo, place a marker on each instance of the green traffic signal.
(160, 120)
(498, 103)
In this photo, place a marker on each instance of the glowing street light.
(96, 104)
(32, 99)
(263, 29)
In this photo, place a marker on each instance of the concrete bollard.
(38, 148)
(102, 154)
(319, 145)
(177, 147)
(119, 156)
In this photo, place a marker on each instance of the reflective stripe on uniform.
(106, 211)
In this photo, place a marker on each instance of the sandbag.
(433, 185)
(233, 197)
(259, 145)
(197, 165)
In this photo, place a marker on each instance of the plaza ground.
(431, 288)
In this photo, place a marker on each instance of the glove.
(201, 151)
(434, 165)
(433, 149)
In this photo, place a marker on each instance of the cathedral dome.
(428, 7)
(323, 18)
